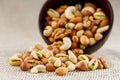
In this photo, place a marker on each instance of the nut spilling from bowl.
(41, 60)
(70, 29)
(76, 26)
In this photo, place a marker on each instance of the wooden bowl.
(104, 4)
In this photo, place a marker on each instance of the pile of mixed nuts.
(70, 29)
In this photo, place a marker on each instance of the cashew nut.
(67, 43)
(69, 12)
(36, 55)
(15, 60)
(38, 68)
(46, 53)
(72, 57)
(70, 66)
(48, 31)
(52, 13)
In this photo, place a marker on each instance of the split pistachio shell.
(83, 58)
(46, 53)
(72, 57)
(36, 55)
(62, 57)
(52, 13)
(103, 29)
(99, 15)
(93, 64)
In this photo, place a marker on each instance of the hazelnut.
(78, 26)
(61, 71)
(74, 45)
(88, 33)
(61, 23)
(98, 36)
(50, 67)
(84, 40)
(44, 60)
(25, 66)
(82, 66)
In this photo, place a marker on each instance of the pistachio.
(36, 55)
(83, 58)
(70, 25)
(88, 33)
(99, 15)
(48, 31)
(15, 60)
(62, 57)
(72, 57)
(61, 71)
(52, 13)
(93, 64)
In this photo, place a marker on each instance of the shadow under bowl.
(104, 4)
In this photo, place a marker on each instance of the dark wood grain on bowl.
(104, 4)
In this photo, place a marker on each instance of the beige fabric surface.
(19, 31)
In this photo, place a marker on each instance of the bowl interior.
(104, 4)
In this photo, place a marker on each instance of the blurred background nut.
(48, 31)
(61, 23)
(84, 40)
(102, 29)
(54, 25)
(69, 25)
(26, 54)
(89, 56)
(93, 64)
(91, 5)
(69, 12)
(78, 14)
(50, 67)
(82, 66)
(80, 33)
(76, 20)
(99, 15)
(92, 41)
(72, 56)
(51, 39)
(61, 71)
(93, 29)
(38, 68)
(70, 66)
(78, 7)
(74, 45)
(88, 33)
(44, 60)
(88, 11)
(75, 39)
(67, 43)
(78, 26)
(98, 36)
(104, 22)
(83, 58)
(52, 13)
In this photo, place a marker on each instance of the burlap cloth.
(19, 31)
